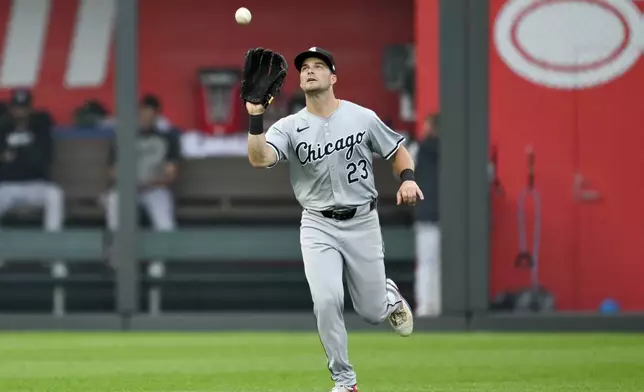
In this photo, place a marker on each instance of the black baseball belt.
(345, 213)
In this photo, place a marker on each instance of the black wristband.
(256, 124)
(407, 175)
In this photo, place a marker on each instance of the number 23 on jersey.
(357, 170)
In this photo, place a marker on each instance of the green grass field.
(259, 362)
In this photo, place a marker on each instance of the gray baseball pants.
(41, 194)
(158, 203)
(329, 248)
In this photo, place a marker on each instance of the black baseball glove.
(263, 76)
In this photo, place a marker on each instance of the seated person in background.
(26, 152)
(151, 104)
(92, 114)
(158, 155)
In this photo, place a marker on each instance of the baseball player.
(329, 146)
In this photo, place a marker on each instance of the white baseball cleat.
(344, 388)
(401, 319)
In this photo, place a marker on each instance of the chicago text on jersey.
(312, 155)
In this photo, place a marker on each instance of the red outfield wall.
(589, 250)
(582, 114)
(176, 38)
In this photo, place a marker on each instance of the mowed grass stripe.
(197, 362)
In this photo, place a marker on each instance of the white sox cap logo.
(569, 44)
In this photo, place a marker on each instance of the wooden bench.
(80, 169)
(229, 187)
(208, 190)
(226, 188)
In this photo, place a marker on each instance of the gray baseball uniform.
(155, 150)
(331, 168)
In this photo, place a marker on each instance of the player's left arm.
(389, 144)
(403, 165)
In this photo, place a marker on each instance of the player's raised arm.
(266, 149)
(260, 154)
(263, 75)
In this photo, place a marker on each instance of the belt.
(344, 213)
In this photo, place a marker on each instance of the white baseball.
(243, 16)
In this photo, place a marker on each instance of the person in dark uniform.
(427, 231)
(26, 155)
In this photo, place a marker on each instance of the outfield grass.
(261, 362)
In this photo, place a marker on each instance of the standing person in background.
(425, 153)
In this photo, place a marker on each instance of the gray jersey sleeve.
(384, 140)
(277, 137)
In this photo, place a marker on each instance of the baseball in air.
(243, 16)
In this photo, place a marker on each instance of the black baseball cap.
(316, 52)
(21, 97)
(150, 101)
